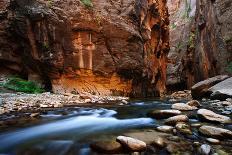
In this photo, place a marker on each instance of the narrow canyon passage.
(92, 77)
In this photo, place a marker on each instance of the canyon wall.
(200, 41)
(105, 47)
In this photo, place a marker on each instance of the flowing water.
(73, 129)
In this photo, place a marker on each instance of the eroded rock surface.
(113, 47)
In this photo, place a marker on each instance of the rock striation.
(110, 47)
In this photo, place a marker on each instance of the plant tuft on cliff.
(229, 67)
(87, 3)
(21, 85)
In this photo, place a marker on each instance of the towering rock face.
(104, 47)
(213, 38)
(182, 22)
(200, 40)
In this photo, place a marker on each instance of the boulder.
(165, 128)
(200, 89)
(183, 107)
(183, 128)
(162, 114)
(107, 147)
(222, 90)
(175, 119)
(209, 115)
(194, 103)
(215, 132)
(132, 144)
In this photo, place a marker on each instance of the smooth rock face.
(162, 114)
(222, 90)
(132, 144)
(175, 119)
(107, 147)
(215, 132)
(112, 48)
(165, 128)
(213, 117)
(200, 89)
(183, 107)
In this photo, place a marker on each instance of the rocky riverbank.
(21, 102)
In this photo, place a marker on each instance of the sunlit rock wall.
(109, 48)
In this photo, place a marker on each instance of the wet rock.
(205, 149)
(132, 144)
(183, 128)
(159, 142)
(196, 144)
(213, 141)
(162, 114)
(35, 115)
(194, 103)
(221, 152)
(196, 125)
(87, 100)
(200, 89)
(222, 90)
(43, 106)
(124, 102)
(179, 148)
(107, 147)
(174, 138)
(183, 107)
(229, 100)
(181, 94)
(215, 132)
(165, 128)
(175, 119)
(2, 111)
(212, 117)
(226, 103)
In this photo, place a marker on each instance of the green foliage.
(191, 40)
(87, 3)
(229, 67)
(18, 84)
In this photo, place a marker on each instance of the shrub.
(87, 3)
(229, 67)
(18, 84)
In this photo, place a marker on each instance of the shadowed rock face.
(114, 47)
(200, 42)
(213, 30)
